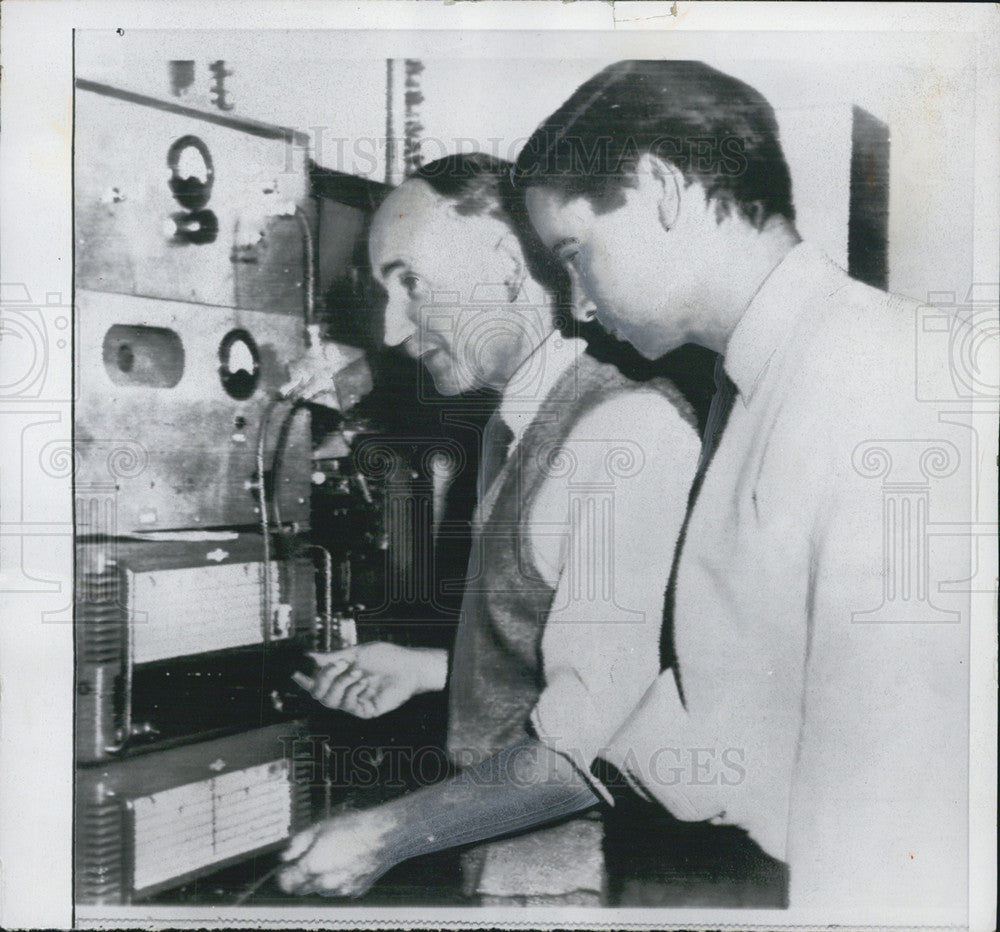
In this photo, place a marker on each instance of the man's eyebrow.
(391, 267)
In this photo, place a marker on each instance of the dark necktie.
(497, 438)
(718, 414)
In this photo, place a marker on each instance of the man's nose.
(584, 308)
(399, 326)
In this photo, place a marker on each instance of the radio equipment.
(194, 275)
(196, 269)
(176, 639)
(195, 596)
(156, 820)
(184, 205)
(173, 398)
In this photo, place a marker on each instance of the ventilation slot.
(99, 874)
(99, 616)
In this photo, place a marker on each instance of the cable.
(276, 461)
(265, 526)
(266, 502)
(256, 885)
(307, 239)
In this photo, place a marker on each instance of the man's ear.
(664, 183)
(511, 256)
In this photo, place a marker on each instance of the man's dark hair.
(715, 129)
(480, 185)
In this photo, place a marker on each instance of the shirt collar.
(770, 318)
(530, 385)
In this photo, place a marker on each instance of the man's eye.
(411, 283)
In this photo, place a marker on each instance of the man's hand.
(372, 679)
(523, 786)
(342, 856)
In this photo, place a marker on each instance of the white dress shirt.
(602, 534)
(823, 671)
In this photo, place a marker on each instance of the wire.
(256, 885)
(276, 461)
(307, 239)
(265, 518)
